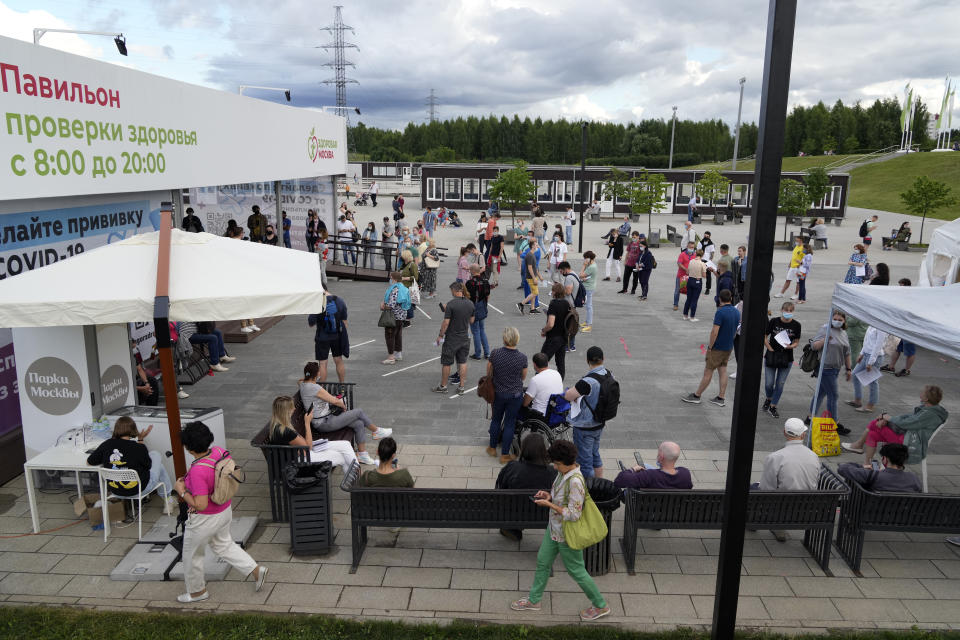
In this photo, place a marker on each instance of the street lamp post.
(118, 38)
(736, 140)
(673, 130)
(286, 92)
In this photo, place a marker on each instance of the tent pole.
(778, 53)
(278, 228)
(161, 325)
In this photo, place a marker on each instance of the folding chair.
(130, 475)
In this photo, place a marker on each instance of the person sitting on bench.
(387, 474)
(665, 475)
(282, 433)
(902, 235)
(892, 478)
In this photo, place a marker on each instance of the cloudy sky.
(602, 59)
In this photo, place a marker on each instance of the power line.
(340, 62)
(432, 106)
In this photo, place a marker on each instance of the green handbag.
(387, 319)
(590, 528)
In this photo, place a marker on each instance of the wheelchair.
(551, 427)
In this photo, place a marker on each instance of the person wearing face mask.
(778, 358)
(369, 241)
(630, 263)
(643, 269)
(558, 254)
(837, 356)
(683, 262)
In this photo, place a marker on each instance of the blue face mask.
(837, 324)
(787, 316)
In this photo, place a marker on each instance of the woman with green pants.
(570, 491)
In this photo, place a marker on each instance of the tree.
(440, 154)
(925, 197)
(646, 194)
(712, 186)
(616, 186)
(817, 183)
(513, 189)
(792, 201)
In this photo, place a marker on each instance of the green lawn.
(39, 623)
(879, 185)
(793, 163)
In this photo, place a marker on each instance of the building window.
(390, 171)
(485, 189)
(433, 189)
(623, 199)
(451, 188)
(564, 191)
(597, 193)
(832, 199)
(544, 190)
(738, 194)
(471, 190)
(415, 171)
(684, 192)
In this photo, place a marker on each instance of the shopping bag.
(683, 285)
(824, 439)
(387, 319)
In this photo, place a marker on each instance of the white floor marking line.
(354, 346)
(424, 313)
(494, 308)
(457, 395)
(410, 367)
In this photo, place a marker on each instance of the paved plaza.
(440, 575)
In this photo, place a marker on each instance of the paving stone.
(939, 550)
(670, 546)
(486, 541)
(306, 595)
(934, 610)
(73, 544)
(764, 586)
(456, 559)
(26, 544)
(390, 557)
(445, 599)
(496, 579)
(427, 540)
(748, 608)
(697, 564)
(660, 607)
(800, 608)
(905, 568)
(759, 566)
(940, 589)
(571, 603)
(874, 610)
(807, 587)
(101, 586)
(29, 562)
(649, 563)
(417, 577)
(510, 560)
(34, 584)
(949, 568)
(384, 598)
(892, 588)
(366, 575)
(672, 583)
(286, 572)
(750, 548)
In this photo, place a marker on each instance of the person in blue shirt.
(587, 429)
(286, 229)
(719, 348)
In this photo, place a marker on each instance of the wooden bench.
(436, 508)
(812, 511)
(278, 456)
(867, 510)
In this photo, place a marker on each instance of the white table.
(62, 458)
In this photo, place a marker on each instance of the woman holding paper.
(867, 370)
(338, 452)
(858, 265)
(782, 337)
(836, 357)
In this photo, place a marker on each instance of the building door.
(406, 175)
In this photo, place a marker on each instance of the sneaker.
(593, 613)
(218, 367)
(439, 389)
(364, 458)
(694, 319)
(955, 541)
(382, 432)
(587, 329)
(461, 390)
(642, 298)
(766, 405)
(848, 446)
(389, 361)
(520, 307)
(607, 279)
(675, 307)
(261, 576)
(524, 604)
(781, 536)
(183, 395)
(774, 413)
(572, 348)
(583, 324)
(227, 358)
(242, 330)
(255, 327)
(398, 356)
(186, 598)
(685, 317)
(535, 310)
(733, 376)
(691, 398)
(778, 295)
(888, 369)
(491, 452)
(454, 378)
(794, 297)
(475, 356)
(842, 430)
(902, 373)
(618, 278)
(622, 291)
(717, 400)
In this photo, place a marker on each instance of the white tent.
(941, 265)
(211, 278)
(926, 316)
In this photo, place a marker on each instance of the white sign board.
(74, 126)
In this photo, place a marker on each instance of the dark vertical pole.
(583, 174)
(763, 221)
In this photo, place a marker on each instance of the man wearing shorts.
(795, 259)
(455, 333)
(532, 279)
(719, 348)
(872, 225)
(325, 343)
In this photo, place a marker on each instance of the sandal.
(888, 369)
(389, 361)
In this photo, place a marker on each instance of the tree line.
(811, 130)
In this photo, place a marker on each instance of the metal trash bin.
(311, 521)
(598, 558)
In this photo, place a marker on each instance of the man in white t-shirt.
(569, 219)
(544, 384)
(345, 229)
(374, 190)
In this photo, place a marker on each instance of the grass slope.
(879, 185)
(793, 163)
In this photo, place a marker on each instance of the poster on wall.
(144, 339)
(9, 398)
(216, 205)
(76, 126)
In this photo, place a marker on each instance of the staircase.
(845, 165)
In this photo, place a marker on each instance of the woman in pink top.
(463, 264)
(208, 522)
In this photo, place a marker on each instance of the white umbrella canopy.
(926, 316)
(211, 278)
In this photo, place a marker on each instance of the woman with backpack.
(209, 521)
(394, 299)
(555, 332)
(282, 433)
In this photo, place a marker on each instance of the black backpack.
(580, 297)
(810, 359)
(864, 231)
(608, 399)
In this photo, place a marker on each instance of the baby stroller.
(361, 201)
